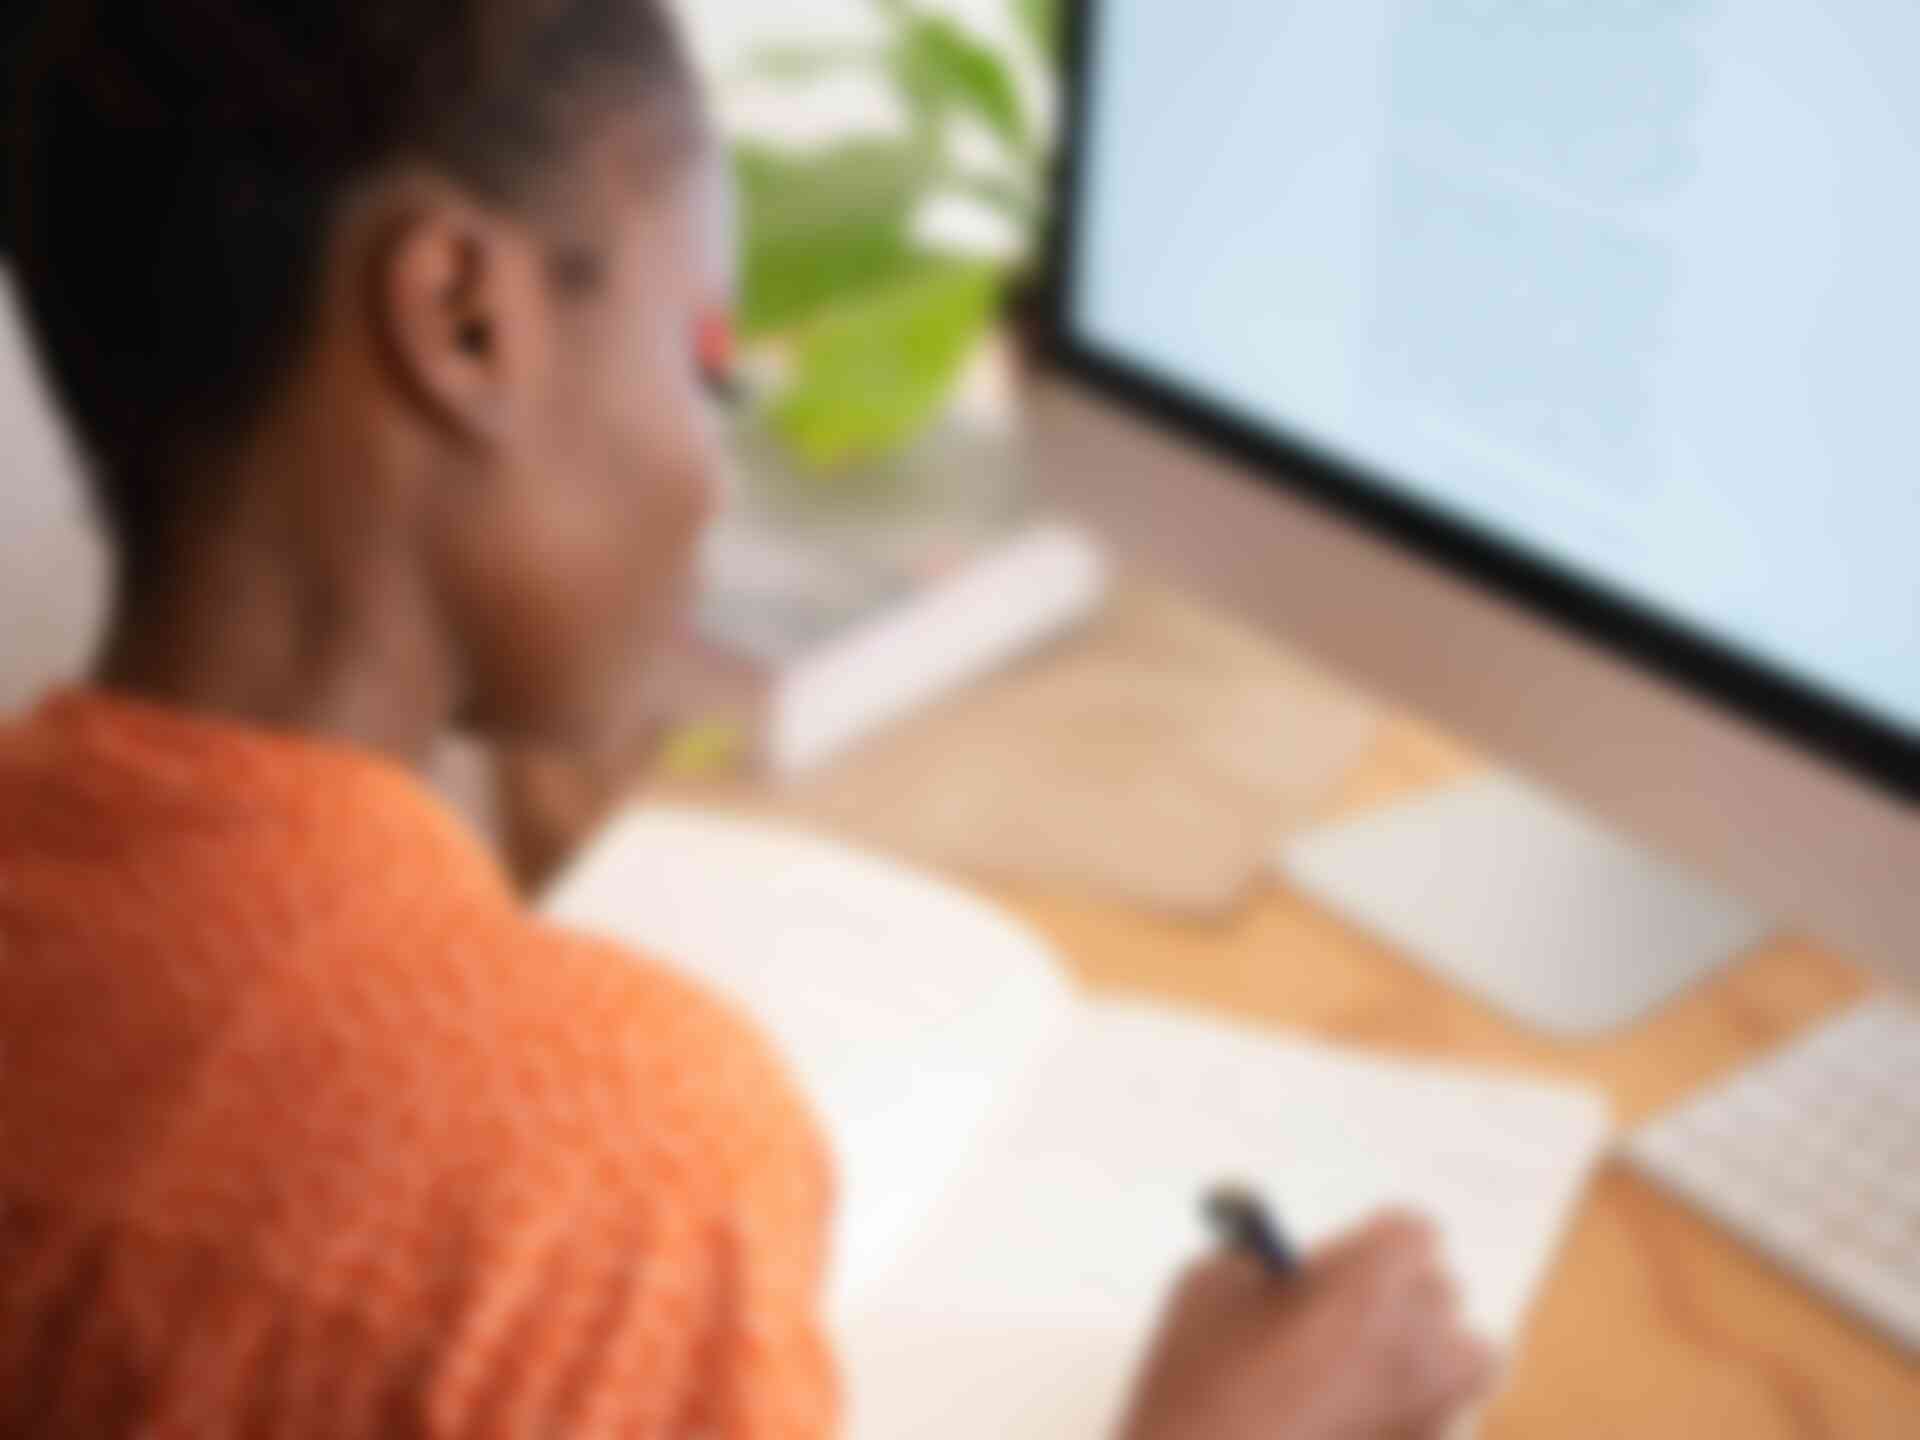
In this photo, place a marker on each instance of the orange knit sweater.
(307, 1129)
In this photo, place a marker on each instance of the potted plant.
(864, 324)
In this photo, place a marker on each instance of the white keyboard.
(1813, 1155)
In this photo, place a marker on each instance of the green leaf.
(872, 374)
(1006, 195)
(1044, 24)
(942, 69)
(802, 64)
(824, 225)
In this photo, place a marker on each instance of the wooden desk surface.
(1655, 1323)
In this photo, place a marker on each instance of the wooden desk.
(1655, 1323)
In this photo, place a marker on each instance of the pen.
(1243, 1222)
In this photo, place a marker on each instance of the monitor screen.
(1630, 288)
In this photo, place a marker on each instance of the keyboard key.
(1813, 1156)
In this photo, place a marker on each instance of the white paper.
(1051, 1255)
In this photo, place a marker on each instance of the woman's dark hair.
(179, 163)
(16, 19)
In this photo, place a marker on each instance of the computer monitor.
(1551, 367)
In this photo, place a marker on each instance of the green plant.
(877, 326)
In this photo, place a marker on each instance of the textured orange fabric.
(307, 1129)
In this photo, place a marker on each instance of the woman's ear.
(460, 306)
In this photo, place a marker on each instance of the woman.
(376, 320)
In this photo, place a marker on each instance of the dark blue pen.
(1243, 1222)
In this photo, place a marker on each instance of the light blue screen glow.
(1633, 285)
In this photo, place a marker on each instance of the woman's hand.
(1367, 1344)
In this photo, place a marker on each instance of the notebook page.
(1026, 1305)
(908, 1010)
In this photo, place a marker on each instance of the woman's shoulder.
(321, 943)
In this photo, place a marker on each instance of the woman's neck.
(265, 617)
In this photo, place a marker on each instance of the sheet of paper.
(1032, 1293)
(909, 1011)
